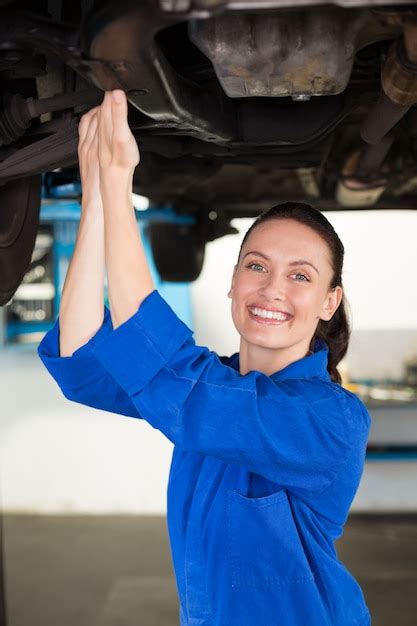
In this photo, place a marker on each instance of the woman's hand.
(117, 147)
(88, 159)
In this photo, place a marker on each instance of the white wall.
(380, 260)
(61, 457)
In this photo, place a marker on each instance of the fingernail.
(117, 96)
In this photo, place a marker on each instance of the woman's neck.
(269, 360)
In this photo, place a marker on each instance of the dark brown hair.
(336, 331)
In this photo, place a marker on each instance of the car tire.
(20, 202)
(177, 250)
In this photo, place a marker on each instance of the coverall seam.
(252, 391)
(187, 335)
(204, 382)
(92, 381)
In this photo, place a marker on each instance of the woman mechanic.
(269, 448)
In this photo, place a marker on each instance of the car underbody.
(236, 104)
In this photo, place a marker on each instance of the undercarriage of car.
(236, 105)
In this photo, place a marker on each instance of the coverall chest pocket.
(264, 547)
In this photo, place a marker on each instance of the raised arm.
(66, 350)
(128, 274)
(82, 304)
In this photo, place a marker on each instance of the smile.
(264, 317)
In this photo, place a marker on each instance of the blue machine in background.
(35, 306)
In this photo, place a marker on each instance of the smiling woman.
(305, 289)
(269, 449)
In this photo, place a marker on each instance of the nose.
(274, 287)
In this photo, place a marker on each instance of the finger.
(105, 121)
(84, 129)
(93, 150)
(119, 112)
(103, 145)
(91, 132)
(84, 123)
(94, 142)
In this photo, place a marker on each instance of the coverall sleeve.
(81, 377)
(296, 432)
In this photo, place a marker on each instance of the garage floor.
(102, 571)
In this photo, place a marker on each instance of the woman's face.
(284, 265)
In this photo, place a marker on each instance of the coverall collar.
(314, 365)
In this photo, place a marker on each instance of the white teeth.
(269, 314)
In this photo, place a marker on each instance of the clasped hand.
(106, 144)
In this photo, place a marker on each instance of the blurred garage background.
(83, 491)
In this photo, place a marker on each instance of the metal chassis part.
(207, 8)
(153, 86)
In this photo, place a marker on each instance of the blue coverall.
(264, 468)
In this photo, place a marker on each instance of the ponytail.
(336, 334)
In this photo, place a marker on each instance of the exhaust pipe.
(364, 177)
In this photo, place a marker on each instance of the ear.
(330, 305)
(230, 293)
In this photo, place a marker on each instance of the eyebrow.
(298, 262)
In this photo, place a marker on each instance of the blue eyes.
(251, 264)
(305, 279)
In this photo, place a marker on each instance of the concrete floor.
(102, 571)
